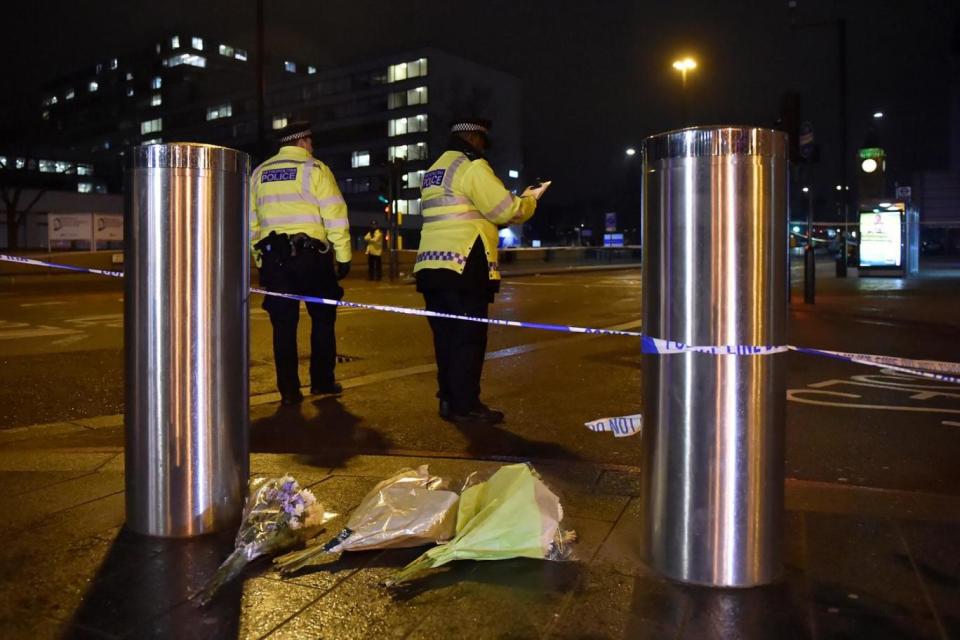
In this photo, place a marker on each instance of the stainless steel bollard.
(714, 273)
(186, 338)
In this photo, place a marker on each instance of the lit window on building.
(151, 126)
(156, 100)
(402, 126)
(240, 55)
(49, 101)
(190, 59)
(279, 122)
(197, 43)
(106, 144)
(219, 111)
(159, 47)
(175, 42)
(226, 50)
(3, 162)
(85, 187)
(311, 70)
(93, 86)
(156, 83)
(513, 173)
(416, 151)
(21, 163)
(99, 68)
(413, 179)
(113, 63)
(45, 115)
(62, 166)
(100, 188)
(84, 169)
(398, 99)
(409, 207)
(407, 70)
(129, 92)
(129, 76)
(69, 95)
(360, 159)
(290, 66)
(48, 166)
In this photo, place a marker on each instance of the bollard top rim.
(189, 155)
(715, 141)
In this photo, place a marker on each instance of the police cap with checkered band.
(293, 132)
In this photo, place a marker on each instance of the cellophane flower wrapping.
(511, 515)
(409, 509)
(277, 515)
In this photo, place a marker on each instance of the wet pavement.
(69, 568)
(873, 484)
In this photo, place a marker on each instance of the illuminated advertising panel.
(880, 239)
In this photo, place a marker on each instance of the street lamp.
(683, 66)
(877, 115)
(631, 151)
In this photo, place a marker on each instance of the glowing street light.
(631, 151)
(877, 115)
(806, 189)
(683, 66)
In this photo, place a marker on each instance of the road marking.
(41, 304)
(951, 423)
(792, 395)
(40, 331)
(70, 340)
(114, 320)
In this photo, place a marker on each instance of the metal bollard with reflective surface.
(186, 338)
(714, 273)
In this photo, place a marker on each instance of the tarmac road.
(62, 360)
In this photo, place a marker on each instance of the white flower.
(308, 496)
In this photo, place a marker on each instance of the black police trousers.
(374, 267)
(312, 274)
(460, 346)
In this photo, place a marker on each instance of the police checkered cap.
(470, 124)
(294, 131)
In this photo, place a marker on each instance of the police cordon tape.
(930, 369)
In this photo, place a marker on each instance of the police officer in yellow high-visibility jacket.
(463, 204)
(300, 236)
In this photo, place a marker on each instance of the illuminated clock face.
(869, 165)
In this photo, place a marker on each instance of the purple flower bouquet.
(278, 514)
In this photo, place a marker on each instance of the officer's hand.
(343, 268)
(537, 191)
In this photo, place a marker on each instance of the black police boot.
(289, 399)
(445, 410)
(328, 388)
(480, 414)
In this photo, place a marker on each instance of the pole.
(809, 258)
(844, 186)
(261, 85)
(394, 168)
(186, 338)
(714, 273)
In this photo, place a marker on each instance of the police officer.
(374, 240)
(464, 203)
(300, 236)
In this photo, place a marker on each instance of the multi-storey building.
(365, 115)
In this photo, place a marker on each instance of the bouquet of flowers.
(277, 515)
(408, 509)
(511, 515)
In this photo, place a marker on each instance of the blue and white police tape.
(620, 427)
(69, 267)
(931, 369)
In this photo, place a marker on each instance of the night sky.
(597, 76)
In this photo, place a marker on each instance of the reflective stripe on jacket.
(294, 193)
(374, 243)
(463, 199)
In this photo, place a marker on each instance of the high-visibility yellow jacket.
(374, 242)
(463, 199)
(294, 193)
